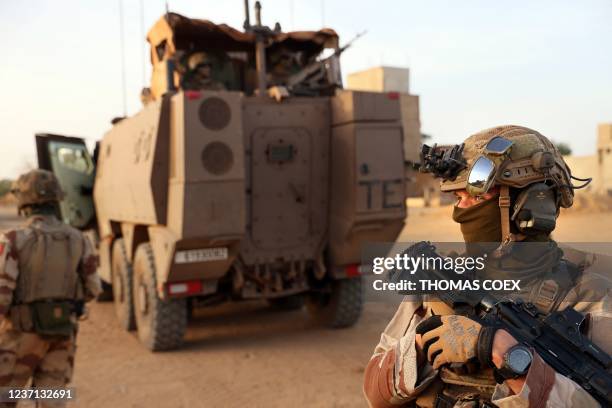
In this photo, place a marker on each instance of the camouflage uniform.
(398, 375)
(31, 260)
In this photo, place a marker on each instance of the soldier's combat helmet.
(36, 187)
(523, 159)
(198, 59)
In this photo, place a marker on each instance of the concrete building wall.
(380, 79)
(599, 165)
(583, 167)
(604, 157)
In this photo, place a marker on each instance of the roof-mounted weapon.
(316, 71)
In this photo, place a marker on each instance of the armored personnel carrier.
(249, 173)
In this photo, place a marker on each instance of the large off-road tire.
(107, 292)
(121, 270)
(340, 305)
(292, 302)
(161, 324)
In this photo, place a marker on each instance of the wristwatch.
(516, 363)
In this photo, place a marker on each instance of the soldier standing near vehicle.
(47, 272)
(510, 189)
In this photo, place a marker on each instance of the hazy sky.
(474, 63)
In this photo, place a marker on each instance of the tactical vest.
(48, 262)
(470, 386)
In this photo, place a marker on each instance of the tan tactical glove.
(449, 339)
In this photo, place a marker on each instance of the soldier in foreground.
(47, 272)
(411, 365)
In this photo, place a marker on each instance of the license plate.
(200, 255)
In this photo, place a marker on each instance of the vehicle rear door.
(70, 161)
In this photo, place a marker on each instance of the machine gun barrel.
(347, 45)
(316, 66)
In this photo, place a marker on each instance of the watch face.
(519, 360)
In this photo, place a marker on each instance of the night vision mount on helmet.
(443, 162)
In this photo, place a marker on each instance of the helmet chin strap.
(504, 209)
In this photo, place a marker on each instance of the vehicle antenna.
(142, 39)
(122, 48)
(247, 18)
(260, 51)
(322, 13)
(258, 13)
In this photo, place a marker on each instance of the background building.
(396, 80)
(599, 165)
(604, 158)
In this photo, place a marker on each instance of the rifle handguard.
(484, 346)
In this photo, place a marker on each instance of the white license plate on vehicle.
(200, 255)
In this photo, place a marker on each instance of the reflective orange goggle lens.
(482, 173)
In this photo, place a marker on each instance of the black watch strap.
(484, 346)
(504, 373)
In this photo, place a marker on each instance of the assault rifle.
(556, 337)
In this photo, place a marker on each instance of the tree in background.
(564, 148)
(5, 187)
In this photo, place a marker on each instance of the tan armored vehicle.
(248, 174)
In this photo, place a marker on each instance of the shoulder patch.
(12, 240)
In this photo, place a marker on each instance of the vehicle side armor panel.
(367, 174)
(131, 179)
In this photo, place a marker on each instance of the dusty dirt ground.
(248, 355)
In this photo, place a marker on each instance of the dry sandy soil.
(248, 355)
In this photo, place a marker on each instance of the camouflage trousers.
(45, 361)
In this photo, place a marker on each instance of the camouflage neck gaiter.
(480, 222)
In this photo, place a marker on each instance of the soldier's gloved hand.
(449, 339)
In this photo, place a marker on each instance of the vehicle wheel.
(122, 285)
(161, 323)
(292, 302)
(107, 293)
(340, 306)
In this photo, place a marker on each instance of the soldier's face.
(465, 200)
